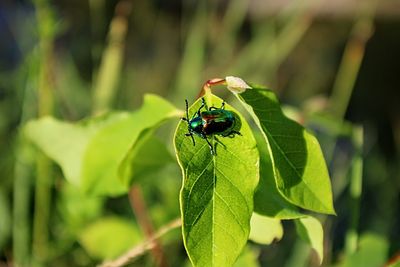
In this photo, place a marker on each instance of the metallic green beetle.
(212, 121)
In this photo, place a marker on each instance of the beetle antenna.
(203, 104)
(187, 110)
(187, 120)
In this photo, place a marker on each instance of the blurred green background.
(334, 64)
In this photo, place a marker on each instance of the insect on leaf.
(217, 192)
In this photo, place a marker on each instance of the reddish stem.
(209, 83)
(140, 211)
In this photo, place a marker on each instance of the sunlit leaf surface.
(109, 237)
(90, 153)
(265, 230)
(310, 230)
(217, 192)
(299, 167)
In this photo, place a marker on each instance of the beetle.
(213, 121)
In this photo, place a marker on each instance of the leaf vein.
(236, 188)
(292, 166)
(194, 183)
(231, 211)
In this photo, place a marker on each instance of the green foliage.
(372, 251)
(282, 171)
(265, 230)
(109, 237)
(248, 258)
(299, 167)
(293, 173)
(146, 156)
(93, 153)
(268, 200)
(71, 62)
(217, 192)
(310, 230)
(77, 208)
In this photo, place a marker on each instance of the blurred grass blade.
(5, 219)
(276, 42)
(217, 192)
(47, 27)
(23, 169)
(191, 65)
(111, 62)
(355, 191)
(372, 251)
(234, 17)
(352, 59)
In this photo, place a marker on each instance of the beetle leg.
(231, 134)
(210, 146)
(203, 104)
(222, 106)
(219, 142)
(191, 135)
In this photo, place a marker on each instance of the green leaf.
(267, 199)
(77, 209)
(217, 191)
(109, 237)
(147, 156)
(372, 251)
(299, 167)
(310, 230)
(91, 152)
(248, 258)
(265, 230)
(64, 142)
(108, 148)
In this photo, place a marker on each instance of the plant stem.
(355, 192)
(140, 210)
(143, 247)
(21, 195)
(339, 101)
(46, 27)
